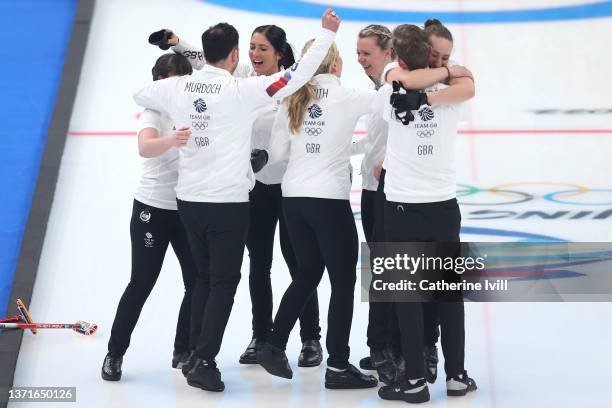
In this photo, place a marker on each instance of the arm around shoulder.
(460, 90)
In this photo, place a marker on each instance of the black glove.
(404, 116)
(259, 158)
(160, 38)
(404, 103)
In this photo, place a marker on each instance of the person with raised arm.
(313, 130)
(213, 186)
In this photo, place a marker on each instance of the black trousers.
(382, 331)
(382, 325)
(368, 199)
(429, 222)
(431, 323)
(265, 204)
(151, 231)
(325, 236)
(217, 235)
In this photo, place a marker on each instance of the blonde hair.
(382, 34)
(298, 101)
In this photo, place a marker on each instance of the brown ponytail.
(435, 27)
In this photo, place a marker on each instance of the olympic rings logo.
(426, 133)
(199, 125)
(313, 131)
(508, 194)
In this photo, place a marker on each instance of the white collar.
(214, 70)
(327, 78)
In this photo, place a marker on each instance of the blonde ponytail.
(297, 103)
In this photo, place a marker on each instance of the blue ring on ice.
(519, 235)
(298, 8)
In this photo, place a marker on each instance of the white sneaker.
(460, 385)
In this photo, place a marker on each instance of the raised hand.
(164, 39)
(173, 38)
(330, 20)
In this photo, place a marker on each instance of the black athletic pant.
(217, 234)
(265, 204)
(382, 327)
(368, 198)
(428, 222)
(431, 323)
(151, 230)
(324, 235)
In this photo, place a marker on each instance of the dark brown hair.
(170, 65)
(218, 42)
(278, 38)
(410, 44)
(435, 27)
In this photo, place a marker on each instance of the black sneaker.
(311, 354)
(431, 363)
(250, 354)
(351, 378)
(111, 368)
(382, 361)
(366, 364)
(189, 363)
(205, 375)
(406, 391)
(179, 358)
(274, 360)
(460, 385)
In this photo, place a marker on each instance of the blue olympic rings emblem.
(553, 196)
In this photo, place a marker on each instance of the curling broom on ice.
(12, 319)
(80, 327)
(25, 322)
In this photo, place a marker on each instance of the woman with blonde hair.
(374, 52)
(313, 130)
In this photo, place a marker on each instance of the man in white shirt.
(421, 206)
(215, 174)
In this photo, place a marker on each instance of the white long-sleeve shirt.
(319, 154)
(372, 146)
(220, 110)
(272, 173)
(376, 137)
(160, 173)
(262, 127)
(420, 157)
